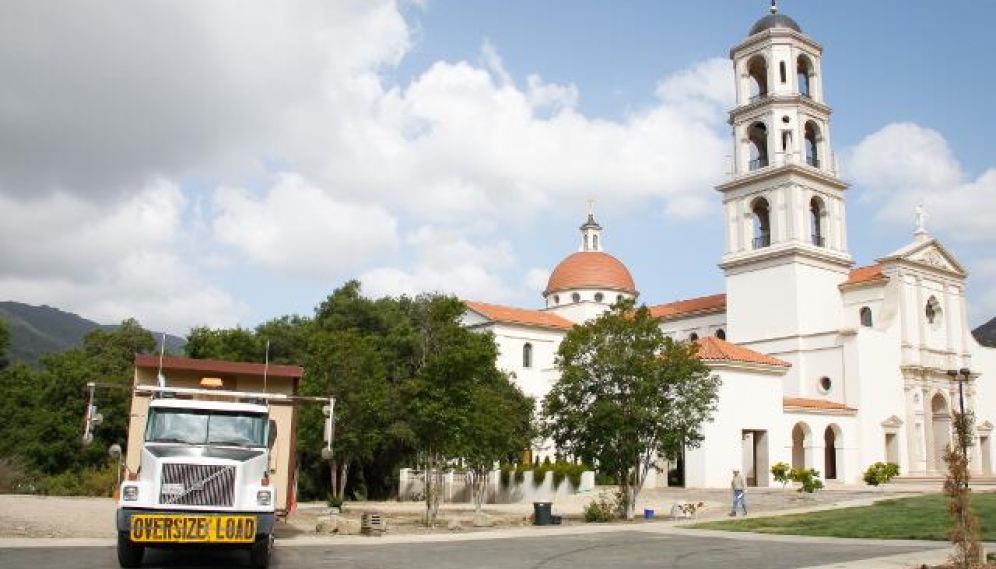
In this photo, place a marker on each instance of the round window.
(576, 297)
(825, 384)
(786, 119)
(599, 296)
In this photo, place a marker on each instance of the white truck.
(203, 480)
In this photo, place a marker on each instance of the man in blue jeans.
(737, 485)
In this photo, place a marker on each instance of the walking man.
(737, 485)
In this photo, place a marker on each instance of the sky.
(224, 163)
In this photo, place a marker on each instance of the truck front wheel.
(259, 555)
(129, 554)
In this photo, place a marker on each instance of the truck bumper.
(264, 520)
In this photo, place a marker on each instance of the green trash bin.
(542, 513)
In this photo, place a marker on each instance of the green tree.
(233, 345)
(346, 364)
(499, 425)
(4, 344)
(449, 363)
(41, 412)
(627, 395)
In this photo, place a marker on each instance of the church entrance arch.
(801, 443)
(941, 416)
(831, 452)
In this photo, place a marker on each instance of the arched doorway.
(800, 443)
(831, 440)
(941, 415)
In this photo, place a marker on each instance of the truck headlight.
(129, 493)
(264, 497)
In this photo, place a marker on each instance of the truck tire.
(129, 554)
(259, 554)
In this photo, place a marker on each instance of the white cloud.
(221, 95)
(447, 262)
(904, 164)
(297, 228)
(108, 262)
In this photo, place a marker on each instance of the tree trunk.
(344, 478)
(333, 476)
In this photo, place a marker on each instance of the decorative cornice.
(783, 170)
(775, 99)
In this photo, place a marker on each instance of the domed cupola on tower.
(591, 275)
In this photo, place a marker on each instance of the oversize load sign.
(174, 528)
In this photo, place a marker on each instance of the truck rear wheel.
(259, 555)
(129, 554)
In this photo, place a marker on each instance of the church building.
(823, 364)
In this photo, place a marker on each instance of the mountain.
(39, 330)
(986, 334)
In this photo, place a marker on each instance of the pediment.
(929, 254)
(985, 427)
(892, 422)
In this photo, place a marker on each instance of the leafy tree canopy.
(627, 395)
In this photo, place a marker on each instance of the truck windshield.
(201, 426)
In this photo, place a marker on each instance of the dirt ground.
(61, 517)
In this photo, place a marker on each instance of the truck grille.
(197, 485)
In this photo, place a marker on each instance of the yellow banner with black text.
(178, 528)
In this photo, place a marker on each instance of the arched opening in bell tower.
(812, 145)
(758, 137)
(816, 214)
(804, 72)
(761, 219)
(757, 71)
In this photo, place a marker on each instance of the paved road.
(604, 550)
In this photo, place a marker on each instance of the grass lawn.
(921, 517)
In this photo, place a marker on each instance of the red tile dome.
(590, 270)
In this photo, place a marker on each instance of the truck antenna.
(266, 366)
(160, 378)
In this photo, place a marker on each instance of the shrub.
(505, 475)
(539, 473)
(808, 478)
(881, 473)
(87, 482)
(520, 473)
(559, 474)
(13, 476)
(334, 501)
(781, 471)
(607, 507)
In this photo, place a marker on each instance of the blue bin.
(648, 513)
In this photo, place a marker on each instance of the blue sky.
(232, 163)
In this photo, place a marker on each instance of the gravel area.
(61, 517)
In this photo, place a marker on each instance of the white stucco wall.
(748, 400)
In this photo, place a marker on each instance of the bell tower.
(786, 235)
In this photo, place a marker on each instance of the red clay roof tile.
(865, 274)
(512, 315)
(715, 302)
(591, 269)
(819, 404)
(714, 349)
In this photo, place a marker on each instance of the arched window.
(757, 69)
(781, 70)
(816, 211)
(527, 355)
(594, 242)
(693, 337)
(762, 223)
(804, 69)
(758, 137)
(721, 334)
(866, 316)
(599, 296)
(812, 144)
(576, 297)
(619, 297)
(933, 312)
(556, 299)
